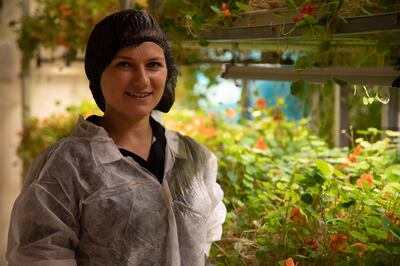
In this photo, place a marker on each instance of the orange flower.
(362, 246)
(393, 217)
(225, 10)
(313, 244)
(338, 242)
(230, 112)
(290, 262)
(354, 154)
(260, 144)
(295, 214)
(368, 178)
(261, 103)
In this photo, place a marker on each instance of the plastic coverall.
(83, 203)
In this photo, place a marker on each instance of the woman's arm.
(217, 215)
(43, 228)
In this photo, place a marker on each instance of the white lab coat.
(83, 203)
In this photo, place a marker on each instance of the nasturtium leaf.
(324, 167)
(386, 222)
(242, 6)
(216, 10)
(291, 4)
(347, 204)
(307, 198)
(377, 233)
(359, 236)
(392, 173)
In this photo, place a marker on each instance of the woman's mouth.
(138, 94)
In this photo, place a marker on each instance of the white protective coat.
(83, 203)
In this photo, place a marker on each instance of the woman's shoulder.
(187, 143)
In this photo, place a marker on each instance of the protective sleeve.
(43, 227)
(218, 211)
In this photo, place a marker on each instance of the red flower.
(309, 10)
(290, 262)
(299, 18)
(260, 144)
(362, 246)
(354, 154)
(393, 217)
(338, 242)
(225, 10)
(313, 244)
(261, 103)
(295, 214)
(368, 178)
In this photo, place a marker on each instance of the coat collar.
(104, 150)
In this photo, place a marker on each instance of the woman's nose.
(140, 78)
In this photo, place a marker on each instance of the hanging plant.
(59, 23)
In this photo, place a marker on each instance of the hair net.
(119, 30)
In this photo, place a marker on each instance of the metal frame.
(250, 27)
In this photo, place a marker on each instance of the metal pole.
(25, 75)
(125, 4)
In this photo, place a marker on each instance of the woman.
(122, 189)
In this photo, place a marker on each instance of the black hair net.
(119, 30)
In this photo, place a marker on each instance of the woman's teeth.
(138, 95)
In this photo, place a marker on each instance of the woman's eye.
(123, 64)
(155, 65)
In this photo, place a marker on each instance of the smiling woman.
(122, 189)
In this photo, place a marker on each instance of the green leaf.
(296, 87)
(377, 233)
(216, 10)
(291, 4)
(347, 204)
(359, 236)
(242, 7)
(371, 100)
(324, 167)
(392, 173)
(307, 198)
(365, 100)
(392, 187)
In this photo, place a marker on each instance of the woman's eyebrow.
(132, 59)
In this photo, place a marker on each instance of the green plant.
(291, 196)
(57, 23)
(41, 133)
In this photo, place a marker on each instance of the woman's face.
(133, 83)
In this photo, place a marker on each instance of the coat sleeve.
(218, 210)
(43, 227)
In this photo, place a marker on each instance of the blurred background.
(241, 78)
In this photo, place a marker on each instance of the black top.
(155, 162)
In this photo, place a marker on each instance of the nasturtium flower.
(338, 242)
(362, 246)
(290, 262)
(260, 144)
(225, 10)
(367, 178)
(230, 112)
(261, 103)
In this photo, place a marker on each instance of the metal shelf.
(264, 25)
